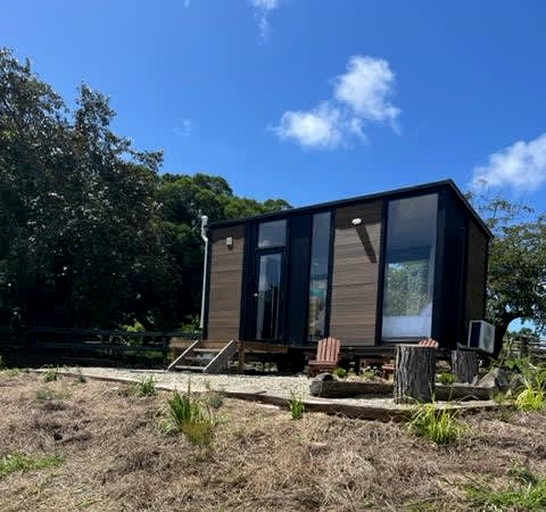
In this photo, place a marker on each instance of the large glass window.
(272, 234)
(318, 276)
(409, 267)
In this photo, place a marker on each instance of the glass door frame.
(254, 290)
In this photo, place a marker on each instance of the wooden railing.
(110, 347)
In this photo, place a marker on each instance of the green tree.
(91, 234)
(516, 286)
(78, 200)
(182, 200)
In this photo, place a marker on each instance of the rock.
(324, 377)
(517, 384)
(497, 378)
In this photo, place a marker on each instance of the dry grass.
(116, 458)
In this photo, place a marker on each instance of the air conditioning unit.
(481, 336)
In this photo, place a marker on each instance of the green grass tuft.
(188, 415)
(296, 406)
(441, 426)
(527, 492)
(51, 374)
(146, 386)
(19, 462)
(46, 394)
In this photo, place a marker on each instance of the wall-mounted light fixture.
(229, 242)
(357, 221)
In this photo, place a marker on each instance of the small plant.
(439, 425)
(370, 373)
(527, 492)
(19, 462)
(188, 415)
(340, 373)
(46, 394)
(51, 374)
(214, 399)
(296, 406)
(80, 377)
(146, 386)
(447, 378)
(12, 372)
(532, 398)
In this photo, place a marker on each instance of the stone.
(517, 384)
(325, 377)
(497, 378)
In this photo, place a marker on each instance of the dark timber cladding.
(356, 273)
(225, 274)
(476, 274)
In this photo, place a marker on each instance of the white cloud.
(365, 87)
(263, 10)
(360, 96)
(521, 166)
(184, 130)
(319, 127)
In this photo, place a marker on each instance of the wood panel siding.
(355, 275)
(226, 275)
(476, 274)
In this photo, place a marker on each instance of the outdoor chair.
(328, 356)
(388, 368)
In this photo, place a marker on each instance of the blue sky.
(310, 100)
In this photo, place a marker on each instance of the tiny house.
(372, 271)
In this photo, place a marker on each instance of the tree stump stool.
(415, 373)
(464, 365)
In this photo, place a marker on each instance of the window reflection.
(409, 267)
(318, 282)
(272, 234)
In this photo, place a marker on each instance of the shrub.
(341, 373)
(447, 378)
(19, 462)
(296, 406)
(146, 386)
(439, 425)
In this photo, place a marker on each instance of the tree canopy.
(516, 285)
(92, 234)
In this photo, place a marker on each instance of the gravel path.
(280, 386)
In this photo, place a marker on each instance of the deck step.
(189, 368)
(207, 350)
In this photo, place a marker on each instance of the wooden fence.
(54, 345)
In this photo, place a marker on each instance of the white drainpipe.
(204, 221)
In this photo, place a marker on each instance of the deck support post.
(415, 373)
(240, 357)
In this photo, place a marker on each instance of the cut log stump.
(415, 372)
(464, 365)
